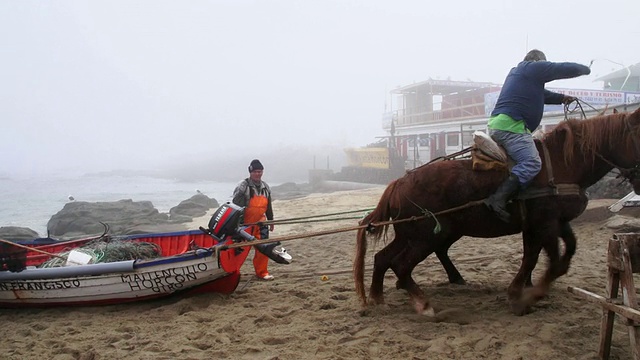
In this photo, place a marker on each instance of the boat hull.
(180, 270)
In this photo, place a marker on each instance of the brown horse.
(580, 153)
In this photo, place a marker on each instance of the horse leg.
(452, 272)
(381, 263)
(443, 255)
(528, 283)
(570, 243)
(403, 266)
(557, 267)
(532, 247)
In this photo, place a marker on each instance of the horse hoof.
(424, 309)
(519, 308)
(459, 281)
(376, 301)
(532, 295)
(429, 312)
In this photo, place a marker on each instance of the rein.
(578, 102)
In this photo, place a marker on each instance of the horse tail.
(380, 213)
(358, 264)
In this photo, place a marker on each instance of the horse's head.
(627, 158)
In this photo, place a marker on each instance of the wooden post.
(608, 316)
(629, 298)
(623, 259)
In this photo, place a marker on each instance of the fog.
(107, 85)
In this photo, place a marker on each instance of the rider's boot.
(498, 201)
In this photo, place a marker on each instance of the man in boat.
(255, 196)
(518, 113)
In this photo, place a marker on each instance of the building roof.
(631, 71)
(442, 87)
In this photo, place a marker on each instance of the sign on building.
(591, 97)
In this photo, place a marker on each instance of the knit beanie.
(255, 165)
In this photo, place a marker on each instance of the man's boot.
(498, 201)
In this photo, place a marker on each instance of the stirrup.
(501, 213)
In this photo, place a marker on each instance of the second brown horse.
(581, 153)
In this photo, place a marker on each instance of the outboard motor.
(225, 222)
(275, 252)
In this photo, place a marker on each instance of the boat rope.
(296, 220)
(346, 229)
(283, 222)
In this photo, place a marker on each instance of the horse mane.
(586, 136)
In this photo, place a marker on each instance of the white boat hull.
(125, 281)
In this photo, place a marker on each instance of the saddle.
(486, 154)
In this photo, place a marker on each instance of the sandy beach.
(310, 310)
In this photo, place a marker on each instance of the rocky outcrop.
(290, 190)
(609, 187)
(196, 206)
(16, 233)
(123, 217)
(627, 220)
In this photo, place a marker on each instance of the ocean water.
(30, 202)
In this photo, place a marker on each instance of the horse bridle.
(628, 173)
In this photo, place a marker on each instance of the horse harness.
(552, 188)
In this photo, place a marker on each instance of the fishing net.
(109, 251)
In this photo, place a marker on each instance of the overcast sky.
(90, 85)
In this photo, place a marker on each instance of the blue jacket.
(523, 94)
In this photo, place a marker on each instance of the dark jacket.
(523, 94)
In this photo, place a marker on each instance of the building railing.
(420, 116)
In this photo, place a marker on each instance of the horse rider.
(518, 113)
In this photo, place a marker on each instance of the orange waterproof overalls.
(255, 212)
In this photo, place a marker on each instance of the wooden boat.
(190, 262)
